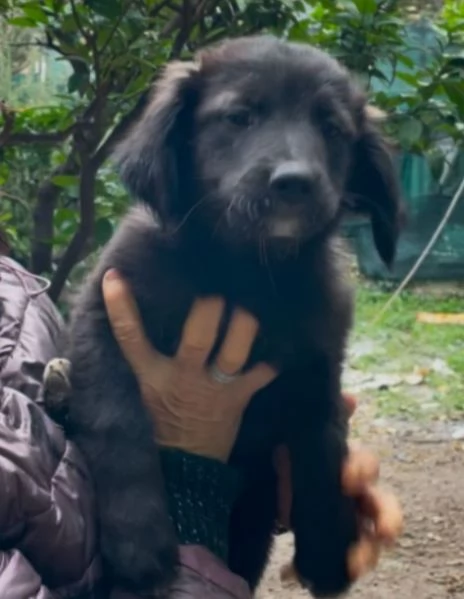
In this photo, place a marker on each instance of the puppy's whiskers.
(189, 214)
(264, 259)
(219, 221)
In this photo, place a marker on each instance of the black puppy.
(246, 160)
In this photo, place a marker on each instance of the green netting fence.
(427, 201)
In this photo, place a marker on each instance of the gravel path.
(424, 465)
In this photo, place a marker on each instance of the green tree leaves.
(105, 54)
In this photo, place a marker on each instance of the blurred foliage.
(53, 156)
(368, 36)
(435, 352)
(60, 201)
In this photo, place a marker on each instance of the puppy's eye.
(240, 118)
(332, 129)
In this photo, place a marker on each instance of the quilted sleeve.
(47, 513)
(19, 580)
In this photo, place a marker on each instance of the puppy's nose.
(292, 182)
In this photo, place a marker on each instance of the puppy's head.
(261, 141)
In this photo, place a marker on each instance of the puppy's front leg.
(323, 519)
(109, 424)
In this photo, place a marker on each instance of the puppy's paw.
(57, 388)
(322, 557)
(144, 561)
(288, 576)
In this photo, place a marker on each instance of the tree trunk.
(44, 211)
(84, 234)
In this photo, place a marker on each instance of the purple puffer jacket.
(47, 518)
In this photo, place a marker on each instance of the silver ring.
(221, 377)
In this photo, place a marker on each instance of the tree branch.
(84, 233)
(155, 12)
(15, 199)
(5, 247)
(115, 27)
(105, 149)
(90, 147)
(47, 196)
(33, 138)
(8, 123)
(78, 21)
(186, 21)
(7, 138)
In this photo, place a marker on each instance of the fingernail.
(111, 275)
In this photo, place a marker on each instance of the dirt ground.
(424, 464)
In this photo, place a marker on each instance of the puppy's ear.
(150, 156)
(373, 186)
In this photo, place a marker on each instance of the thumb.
(126, 323)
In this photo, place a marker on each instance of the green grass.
(400, 345)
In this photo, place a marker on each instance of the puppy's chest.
(286, 335)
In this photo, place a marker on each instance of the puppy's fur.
(245, 161)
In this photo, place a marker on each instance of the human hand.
(195, 407)
(197, 413)
(380, 514)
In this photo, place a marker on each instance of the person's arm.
(198, 414)
(19, 580)
(201, 492)
(46, 505)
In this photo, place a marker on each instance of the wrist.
(197, 451)
(201, 492)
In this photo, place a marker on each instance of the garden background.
(74, 75)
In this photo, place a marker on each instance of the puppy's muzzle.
(293, 183)
(292, 187)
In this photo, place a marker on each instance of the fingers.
(363, 557)
(384, 510)
(381, 519)
(380, 514)
(356, 474)
(237, 344)
(198, 336)
(200, 331)
(351, 403)
(361, 469)
(125, 322)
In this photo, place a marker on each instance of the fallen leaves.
(440, 318)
